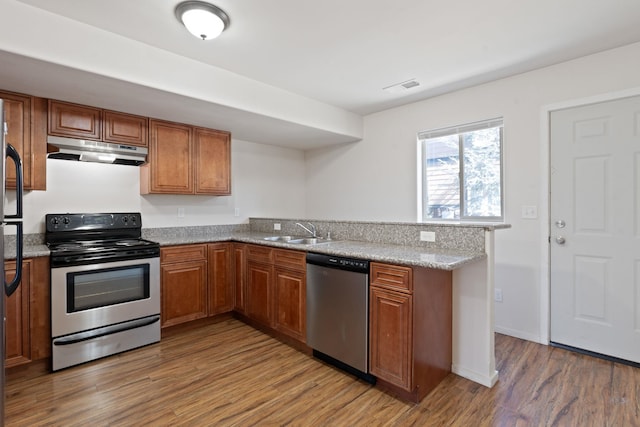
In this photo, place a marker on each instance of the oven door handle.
(106, 330)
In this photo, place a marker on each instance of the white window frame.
(450, 131)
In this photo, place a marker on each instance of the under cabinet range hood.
(85, 150)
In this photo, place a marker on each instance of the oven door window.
(109, 286)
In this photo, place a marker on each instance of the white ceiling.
(343, 52)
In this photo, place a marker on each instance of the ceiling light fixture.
(203, 20)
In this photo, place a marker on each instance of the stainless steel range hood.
(85, 150)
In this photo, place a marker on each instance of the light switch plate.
(276, 226)
(530, 212)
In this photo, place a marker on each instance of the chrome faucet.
(311, 231)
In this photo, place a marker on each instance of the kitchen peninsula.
(465, 250)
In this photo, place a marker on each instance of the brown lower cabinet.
(183, 284)
(196, 282)
(220, 284)
(259, 285)
(410, 328)
(240, 277)
(276, 289)
(27, 327)
(290, 302)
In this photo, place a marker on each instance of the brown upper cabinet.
(212, 161)
(125, 128)
(81, 121)
(26, 118)
(185, 159)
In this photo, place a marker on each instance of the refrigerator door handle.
(12, 153)
(11, 287)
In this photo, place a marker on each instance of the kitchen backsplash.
(459, 237)
(194, 231)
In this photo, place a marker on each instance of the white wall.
(266, 181)
(375, 179)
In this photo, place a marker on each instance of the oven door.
(86, 297)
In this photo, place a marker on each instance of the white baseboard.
(519, 334)
(485, 380)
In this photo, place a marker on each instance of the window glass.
(470, 189)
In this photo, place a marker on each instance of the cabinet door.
(25, 117)
(221, 285)
(40, 307)
(183, 292)
(73, 120)
(212, 162)
(259, 291)
(122, 128)
(390, 337)
(17, 342)
(240, 277)
(170, 168)
(17, 116)
(290, 302)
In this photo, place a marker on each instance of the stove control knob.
(133, 219)
(66, 220)
(55, 220)
(125, 219)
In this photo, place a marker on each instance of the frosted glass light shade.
(205, 21)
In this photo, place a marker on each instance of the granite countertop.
(390, 253)
(30, 251)
(396, 254)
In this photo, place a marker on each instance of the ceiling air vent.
(402, 87)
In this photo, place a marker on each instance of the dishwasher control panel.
(351, 264)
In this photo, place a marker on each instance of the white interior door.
(595, 228)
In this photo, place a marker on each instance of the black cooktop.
(89, 238)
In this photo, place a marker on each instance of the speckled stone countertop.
(406, 254)
(395, 254)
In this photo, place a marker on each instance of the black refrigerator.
(12, 220)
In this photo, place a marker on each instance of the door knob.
(560, 240)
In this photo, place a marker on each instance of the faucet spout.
(311, 231)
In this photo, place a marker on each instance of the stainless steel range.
(105, 286)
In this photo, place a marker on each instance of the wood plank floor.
(229, 374)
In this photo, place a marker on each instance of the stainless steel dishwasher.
(338, 312)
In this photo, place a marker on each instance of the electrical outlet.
(236, 211)
(428, 236)
(498, 294)
(180, 212)
(276, 226)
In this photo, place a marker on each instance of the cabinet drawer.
(183, 253)
(259, 253)
(392, 276)
(296, 260)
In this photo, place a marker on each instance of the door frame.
(545, 206)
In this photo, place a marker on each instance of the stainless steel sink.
(294, 240)
(304, 241)
(279, 238)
